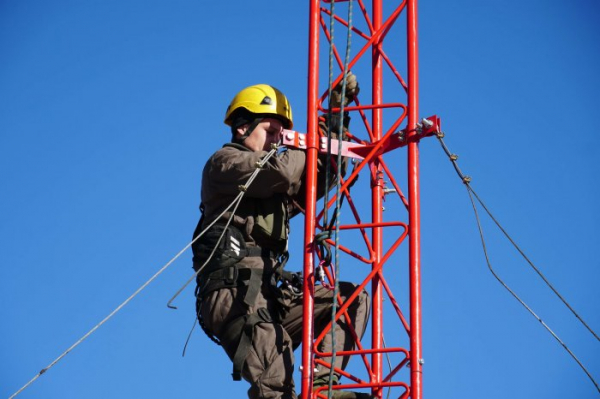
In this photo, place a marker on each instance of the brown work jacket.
(272, 194)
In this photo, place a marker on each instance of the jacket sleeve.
(300, 197)
(230, 168)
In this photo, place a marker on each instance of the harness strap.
(242, 329)
(254, 286)
(249, 130)
(262, 252)
(233, 276)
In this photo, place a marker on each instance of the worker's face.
(266, 133)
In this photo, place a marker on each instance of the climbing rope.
(473, 196)
(338, 179)
(327, 177)
(329, 116)
(234, 204)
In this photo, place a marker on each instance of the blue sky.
(108, 111)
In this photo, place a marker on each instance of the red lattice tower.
(388, 129)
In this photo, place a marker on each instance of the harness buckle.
(230, 275)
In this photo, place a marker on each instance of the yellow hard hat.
(264, 100)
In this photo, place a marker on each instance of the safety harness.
(222, 271)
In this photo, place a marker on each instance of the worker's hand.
(352, 89)
(332, 129)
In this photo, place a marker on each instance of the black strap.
(244, 326)
(262, 252)
(254, 286)
(233, 276)
(249, 131)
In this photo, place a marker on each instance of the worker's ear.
(241, 130)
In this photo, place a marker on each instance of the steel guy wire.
(466, 180)
(471, 193)
(260, 164)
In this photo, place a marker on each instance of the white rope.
(236, 201)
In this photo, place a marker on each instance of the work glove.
(352, 89)
(332, 128)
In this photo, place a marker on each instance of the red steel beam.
(376, 202)
(414, 212)
(311, 195)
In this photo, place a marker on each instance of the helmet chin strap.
(248, 132)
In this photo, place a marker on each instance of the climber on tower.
(246, 301)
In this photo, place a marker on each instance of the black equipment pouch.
(217, 253)
(219, 247)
